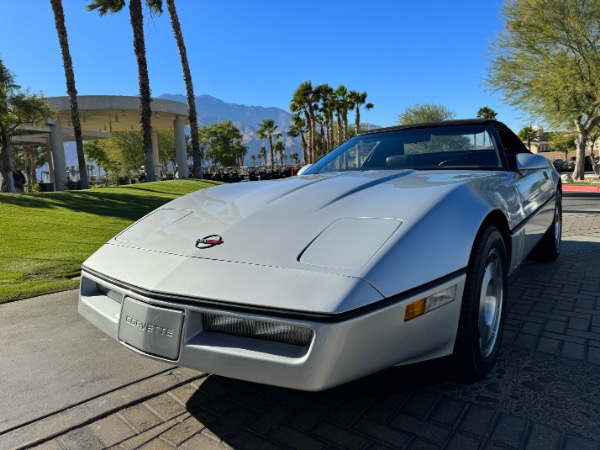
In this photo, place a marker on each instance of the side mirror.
(530, 161)
(303, 169)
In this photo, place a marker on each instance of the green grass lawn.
(46, 236)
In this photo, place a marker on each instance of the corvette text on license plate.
(151, 329)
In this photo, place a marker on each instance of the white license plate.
(151, 329)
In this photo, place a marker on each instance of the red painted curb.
(567, 188)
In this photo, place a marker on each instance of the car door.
(536, 190)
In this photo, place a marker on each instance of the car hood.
(316, 243)
(301, 222)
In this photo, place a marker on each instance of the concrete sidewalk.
(544, 393)
(51, 359)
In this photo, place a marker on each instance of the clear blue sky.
(257, 52)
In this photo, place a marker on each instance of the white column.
(50, 162)
(58, 156)
(157, 166)
(180, 148)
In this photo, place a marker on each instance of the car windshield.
(432, 148)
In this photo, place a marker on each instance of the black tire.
(548, 249)
(483, 308)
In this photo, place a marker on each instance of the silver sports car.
(394, 248)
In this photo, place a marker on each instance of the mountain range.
(244, 118)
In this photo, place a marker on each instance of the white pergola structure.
(100, 115)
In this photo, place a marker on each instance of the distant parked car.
(560, 165)
(588, 163)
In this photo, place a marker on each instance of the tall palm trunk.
(357, 121)
(312, 131)
(304, 148)
(323, 149)
(6, 169)
(345, 120)
(61, 31)
(139, 46)
(340, 127)
(189, 88)
(356, 132)
(271, 151)
(330, 131)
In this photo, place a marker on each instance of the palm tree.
(189, 88)
(61, 31)
(328, 105)
(344, 104)
(306, 99)
(253, 158)
(268, 129)
(139, 45)
(487, 113)
(298, 128)
(358, 99)
(279, 148)
(262, 153)
(529, 134)
(322, 141)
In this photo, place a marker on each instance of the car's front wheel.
(483, 307)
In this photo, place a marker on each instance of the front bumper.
(339, 351)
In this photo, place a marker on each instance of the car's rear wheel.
(548, 249)
(483, 307)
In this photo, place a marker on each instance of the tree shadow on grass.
(130, 205)
(128, 202)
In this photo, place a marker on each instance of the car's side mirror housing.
(303, 169)
(531, 161)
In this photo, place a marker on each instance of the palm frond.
(155, 6)
(106, 6)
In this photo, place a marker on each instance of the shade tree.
(546, 62)
(17, 107)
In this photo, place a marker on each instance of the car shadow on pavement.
(241, 413)
(402, 378)
(415, 406)
(542, 393)
(543, 388)
(569, 247)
